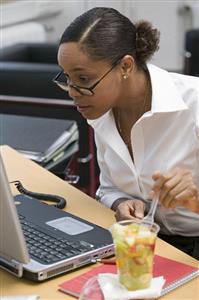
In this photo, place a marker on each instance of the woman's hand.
(126, 209)
(176, 188)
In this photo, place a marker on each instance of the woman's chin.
(90, 114)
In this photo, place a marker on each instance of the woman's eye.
(84, 79)
(80, 80)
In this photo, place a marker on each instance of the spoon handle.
(154, 202)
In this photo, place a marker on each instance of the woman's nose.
(73, 93)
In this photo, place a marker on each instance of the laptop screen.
(12, 243)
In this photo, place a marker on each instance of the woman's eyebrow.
(82, 72)
(77, 69)
(81, 69)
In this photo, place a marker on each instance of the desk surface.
(38, 179)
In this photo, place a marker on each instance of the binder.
(46, 141)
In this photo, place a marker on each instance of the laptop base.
(61, 228)
(12, 266)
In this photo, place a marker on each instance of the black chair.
(28, 69)
(191, 64)
(86, 166)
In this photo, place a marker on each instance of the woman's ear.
(127, 66)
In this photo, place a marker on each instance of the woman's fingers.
(176, 188)
(173, 188)
(139, 209)
(161, 179)
(187, 196)
(170, 187)
(187, 200)
(156, 175)
(130, 209)
(123, 212)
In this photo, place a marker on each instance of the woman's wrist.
(117, 202)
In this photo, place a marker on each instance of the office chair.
(191, 63)
(28, 69)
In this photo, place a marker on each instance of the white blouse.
(163, 138)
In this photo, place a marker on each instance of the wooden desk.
(38, 179)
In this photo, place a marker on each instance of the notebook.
(39, 241)
(175, 273)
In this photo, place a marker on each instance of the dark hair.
(104, 33)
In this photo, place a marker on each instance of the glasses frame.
(80, 89)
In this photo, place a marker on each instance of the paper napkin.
(114, 290)
(27, 297)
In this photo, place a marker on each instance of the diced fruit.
(145, 278)
(130, 240)
(139, 260)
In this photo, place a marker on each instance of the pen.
(105, 261)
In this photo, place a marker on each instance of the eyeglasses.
(63, 81)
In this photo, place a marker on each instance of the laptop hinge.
(12, 266)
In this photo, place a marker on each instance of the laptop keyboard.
(48, 249)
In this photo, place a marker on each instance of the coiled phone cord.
(60, 201)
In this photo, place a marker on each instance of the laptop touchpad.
(69, 225)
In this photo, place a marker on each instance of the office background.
(172, 18)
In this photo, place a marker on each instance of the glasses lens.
(62, 85)
(63, 81)
(83, 91)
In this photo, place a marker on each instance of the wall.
(172, 18)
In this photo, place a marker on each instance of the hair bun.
(147, 41)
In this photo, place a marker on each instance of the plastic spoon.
(149, 218)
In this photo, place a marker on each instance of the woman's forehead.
(72, 58)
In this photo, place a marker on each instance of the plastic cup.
(134, 250)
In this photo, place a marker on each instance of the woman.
(146, 121)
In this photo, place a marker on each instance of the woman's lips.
(82, 108)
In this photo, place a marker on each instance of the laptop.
(39, 241)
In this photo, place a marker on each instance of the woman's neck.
(135, 98)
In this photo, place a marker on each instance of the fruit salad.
(134, 250)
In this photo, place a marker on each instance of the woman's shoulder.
(188, 88)
(185, 82)
(179, 79)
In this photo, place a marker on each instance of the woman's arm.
(108, 192)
